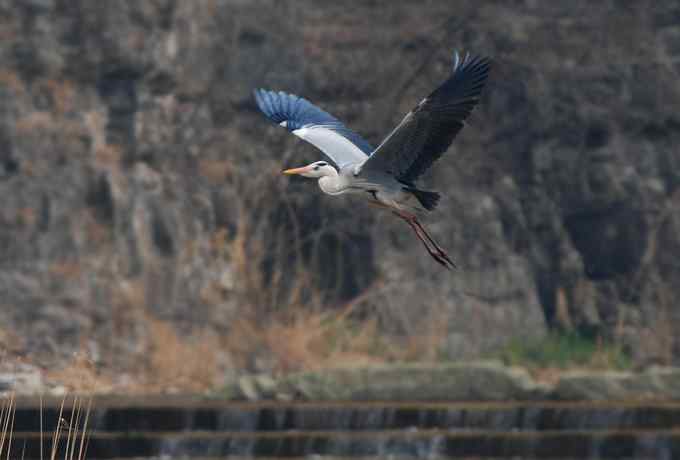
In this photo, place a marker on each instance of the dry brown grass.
(428, 344)
(167, 362)
(296, 340)
(288, 340)
(309, 340)
(181, 363)
(80, 376)
(176, 362)
(163, 359)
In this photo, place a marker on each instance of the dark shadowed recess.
(9, 164)
(100, 198)
(117, 87)
(611, 243)
(341, 260)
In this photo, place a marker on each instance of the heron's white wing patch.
(307, 121)
(337, 147)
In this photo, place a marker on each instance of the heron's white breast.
(333, 185)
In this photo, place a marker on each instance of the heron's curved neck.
(332, 183)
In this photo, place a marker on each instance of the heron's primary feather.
(321, 129)
(427, 131)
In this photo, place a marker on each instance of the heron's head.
(316, 169)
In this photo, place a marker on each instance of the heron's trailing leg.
(430, 244)
(439, 249)
(435, 250)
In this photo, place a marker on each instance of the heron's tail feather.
(429, 200)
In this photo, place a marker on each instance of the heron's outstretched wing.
(299, 116)
(427, 131)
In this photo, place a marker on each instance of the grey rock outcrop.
(453, 382)
(472, 381)
(654, 384)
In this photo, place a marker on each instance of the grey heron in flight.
(385, 175)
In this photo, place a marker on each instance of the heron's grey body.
(380, 187)
(376, 186)
(386, 175)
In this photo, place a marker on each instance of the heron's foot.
(444, 259)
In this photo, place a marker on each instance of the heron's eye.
(322, 164)
(316, 168)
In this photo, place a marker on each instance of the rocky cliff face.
(140, 184)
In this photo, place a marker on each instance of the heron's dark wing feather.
(299, 116)
(427, 131)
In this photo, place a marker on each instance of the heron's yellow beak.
(296, 170)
